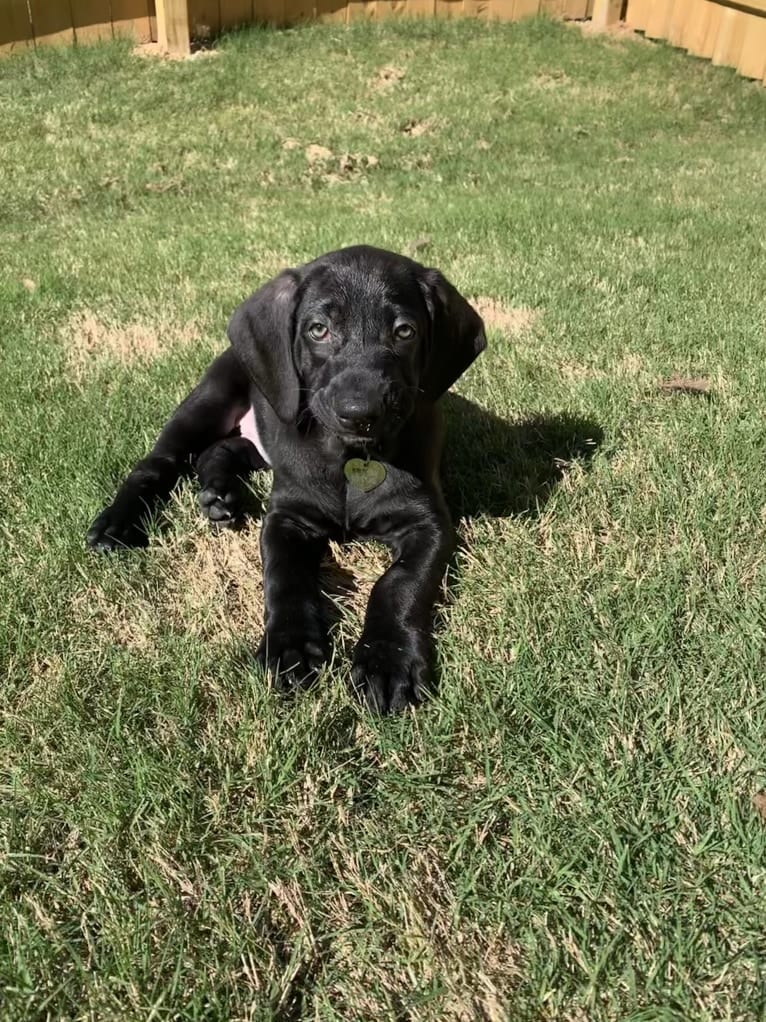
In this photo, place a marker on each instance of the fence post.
(606, 12)
(173, 26)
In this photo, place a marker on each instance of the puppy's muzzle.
(365, 406)
(359, 415)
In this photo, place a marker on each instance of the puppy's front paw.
(391, 674)
(223, 503)
(292, 659)
(118, 526)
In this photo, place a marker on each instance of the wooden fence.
(25, 23)
(173, 23)
(730, 32)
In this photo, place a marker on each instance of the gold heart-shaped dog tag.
(364, 475)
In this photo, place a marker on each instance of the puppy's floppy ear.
(457, 334)
(261, 333)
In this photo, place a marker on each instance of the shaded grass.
(567, 831)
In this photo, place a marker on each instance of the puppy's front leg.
(209, 413)
(393, 661)
(294, 645)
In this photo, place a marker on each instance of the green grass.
(567, 831)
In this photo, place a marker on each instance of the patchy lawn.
(568, 831)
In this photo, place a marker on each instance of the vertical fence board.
(606, 12)
(204, 17)
(15, 26)
(553, 8)
(658, 22)
(696, 23)
(574, 10)
(92, 20)
(52, 24)
(335, 10)
(449, 8)
(476, 8)
(752, 59)
(131, 18)
(237, 12)
(637, 14)
(173, 30)
(420, 8)
(678, 21)
(525, 9)
(711, 31)
(503, 10)
(731, 35)
(358, 10)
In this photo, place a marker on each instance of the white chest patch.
(249, 429)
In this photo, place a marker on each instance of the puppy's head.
(356, 337)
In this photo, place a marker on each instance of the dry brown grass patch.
(418, 922)
(210, 585)
(127, 618)
(508, 319)
(92, 342)
(551, 79)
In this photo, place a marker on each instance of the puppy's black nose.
(357, 416)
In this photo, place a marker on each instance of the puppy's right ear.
(261, 332)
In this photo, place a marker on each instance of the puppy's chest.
(373, 493)
(354, 495)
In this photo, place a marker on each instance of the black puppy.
(332, 381)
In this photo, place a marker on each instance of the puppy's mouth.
(367, 438)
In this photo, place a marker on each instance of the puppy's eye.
(404, 332)
(319, 332)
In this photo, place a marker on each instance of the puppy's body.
(344, 358)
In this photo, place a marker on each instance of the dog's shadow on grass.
(493, 469)
(502, 469)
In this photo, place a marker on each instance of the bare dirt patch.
(388, 77)
(317, 154)
(414, 128)
(551, 79)
(759, 804)
(618, 32)
(696, 386)
(419, 245)
(324, 165)
(508, 319)
(155, 52)
(92, 341)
